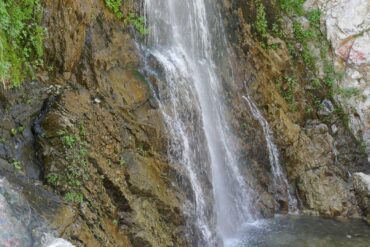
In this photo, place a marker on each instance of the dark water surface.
(302, 231)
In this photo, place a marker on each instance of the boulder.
(361, 183)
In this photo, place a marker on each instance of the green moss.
(21, 40)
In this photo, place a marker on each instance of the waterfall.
(279, 178)
(187, 43)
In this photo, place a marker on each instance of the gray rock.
(347, 24)
(327, 108)
(361, 183)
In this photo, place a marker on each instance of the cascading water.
(192, 103)
(279, 177)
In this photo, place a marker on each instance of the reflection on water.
(302, 231)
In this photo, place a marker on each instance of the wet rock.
(326, 108)
(323, 191)
(361, 183)
(267, 205)
(316, 153)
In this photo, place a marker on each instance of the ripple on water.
(302, 231)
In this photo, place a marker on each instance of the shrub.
(261, 22)
(138, 22)
(114, 6)
(21, 40)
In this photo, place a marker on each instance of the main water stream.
(192, 103)
(188, 41)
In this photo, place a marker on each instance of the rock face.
(120, 168)
(92, 136)
(318, 151)
(361, 184)
(347, 23)
(89, 148)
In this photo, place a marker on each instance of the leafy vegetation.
(288, 87)
(17, 130)
(115, 7)
(314, 18)
(18, 165)
(122, 162)
(300, 44)
(74, 197)
(348, 92)
(138, 22)
(303, 36)
(261, 22)
(292, 7)
(74, 175)
(21, 40)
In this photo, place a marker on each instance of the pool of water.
(302, 231)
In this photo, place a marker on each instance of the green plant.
(68, 140)
(18, 165)
(53, 179)
(348, 92)
(303, 36)
(17, 130)
(288, 87)
(138, 75)
(343, 116)
(141, 150)
(74, 173)
(115, 7)
(292, 7)
(21, 40)
(74, 197)
(261, 22)
(314, 18)
(122, 162)
(329, 77)
(138, 22)
(316, 83)
(277, 31)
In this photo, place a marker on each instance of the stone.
(334, 129)
(347, 23)
(326, 109)
(361, 183)
(324, 192)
